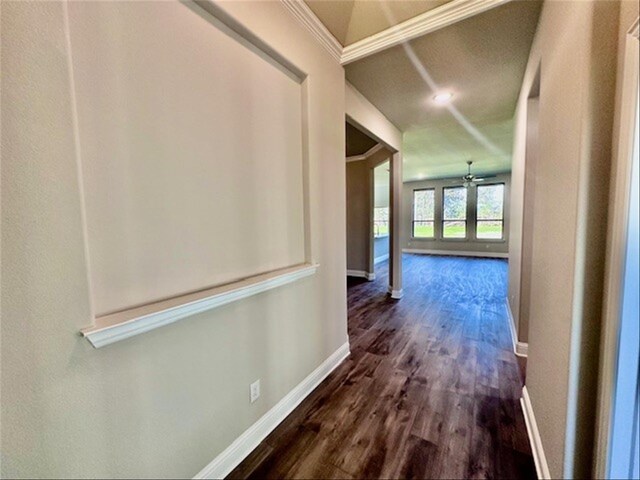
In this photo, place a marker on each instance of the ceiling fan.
(470, 179)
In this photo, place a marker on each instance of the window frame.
(413, 213)
(443, 219)
(504, 194)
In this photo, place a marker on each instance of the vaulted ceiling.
(481, 60)
(351, 20)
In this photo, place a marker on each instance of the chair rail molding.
(119, 326)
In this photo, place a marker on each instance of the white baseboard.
(361, 274)
(542, 468)
(381, 258)
(231, 457)
(456, 253)
(396, 294)
(521, 349)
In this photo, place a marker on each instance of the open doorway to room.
(362, 152)
(370, 213)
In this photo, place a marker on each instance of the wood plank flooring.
(431, 388)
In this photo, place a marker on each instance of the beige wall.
(381, 185)
(575, 46)
(438, 243)
(619, 190)
(149, 181)
(165, 403)
(359, 216)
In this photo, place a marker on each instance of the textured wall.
(575, 45)
(165, 403)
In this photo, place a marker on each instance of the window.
(423, 213)
(454, 212)
(490, 211)
(380, 221)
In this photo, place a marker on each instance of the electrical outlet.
(255, 390)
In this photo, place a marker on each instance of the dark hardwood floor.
(431, 389)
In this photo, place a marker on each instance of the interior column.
(395, 249)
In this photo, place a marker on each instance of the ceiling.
(481, 60)
(357, 142)
(353, 20)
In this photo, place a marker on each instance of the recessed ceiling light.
(443, 97)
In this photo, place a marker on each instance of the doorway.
(381, 190)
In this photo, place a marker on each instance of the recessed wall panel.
(190, 150)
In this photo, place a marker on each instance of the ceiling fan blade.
(485, 176)
(479, 179)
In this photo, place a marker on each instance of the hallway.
(431, 389)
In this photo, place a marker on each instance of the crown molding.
(311, 22)
(440, 17)
(435, 19)
(356, 158)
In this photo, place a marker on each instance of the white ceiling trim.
(356, 158)
(306, 17)
(440, 17)
(435, 19)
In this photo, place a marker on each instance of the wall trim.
(356, 158)
(435, 19)
(242, 446)
(361, 274)
(381, 258)
(512, 323)
(119, 326)
(395, 294)
(542, 468)
(521, 349)
(311, 22)
(456, 253)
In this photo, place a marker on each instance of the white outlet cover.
(255, 391)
